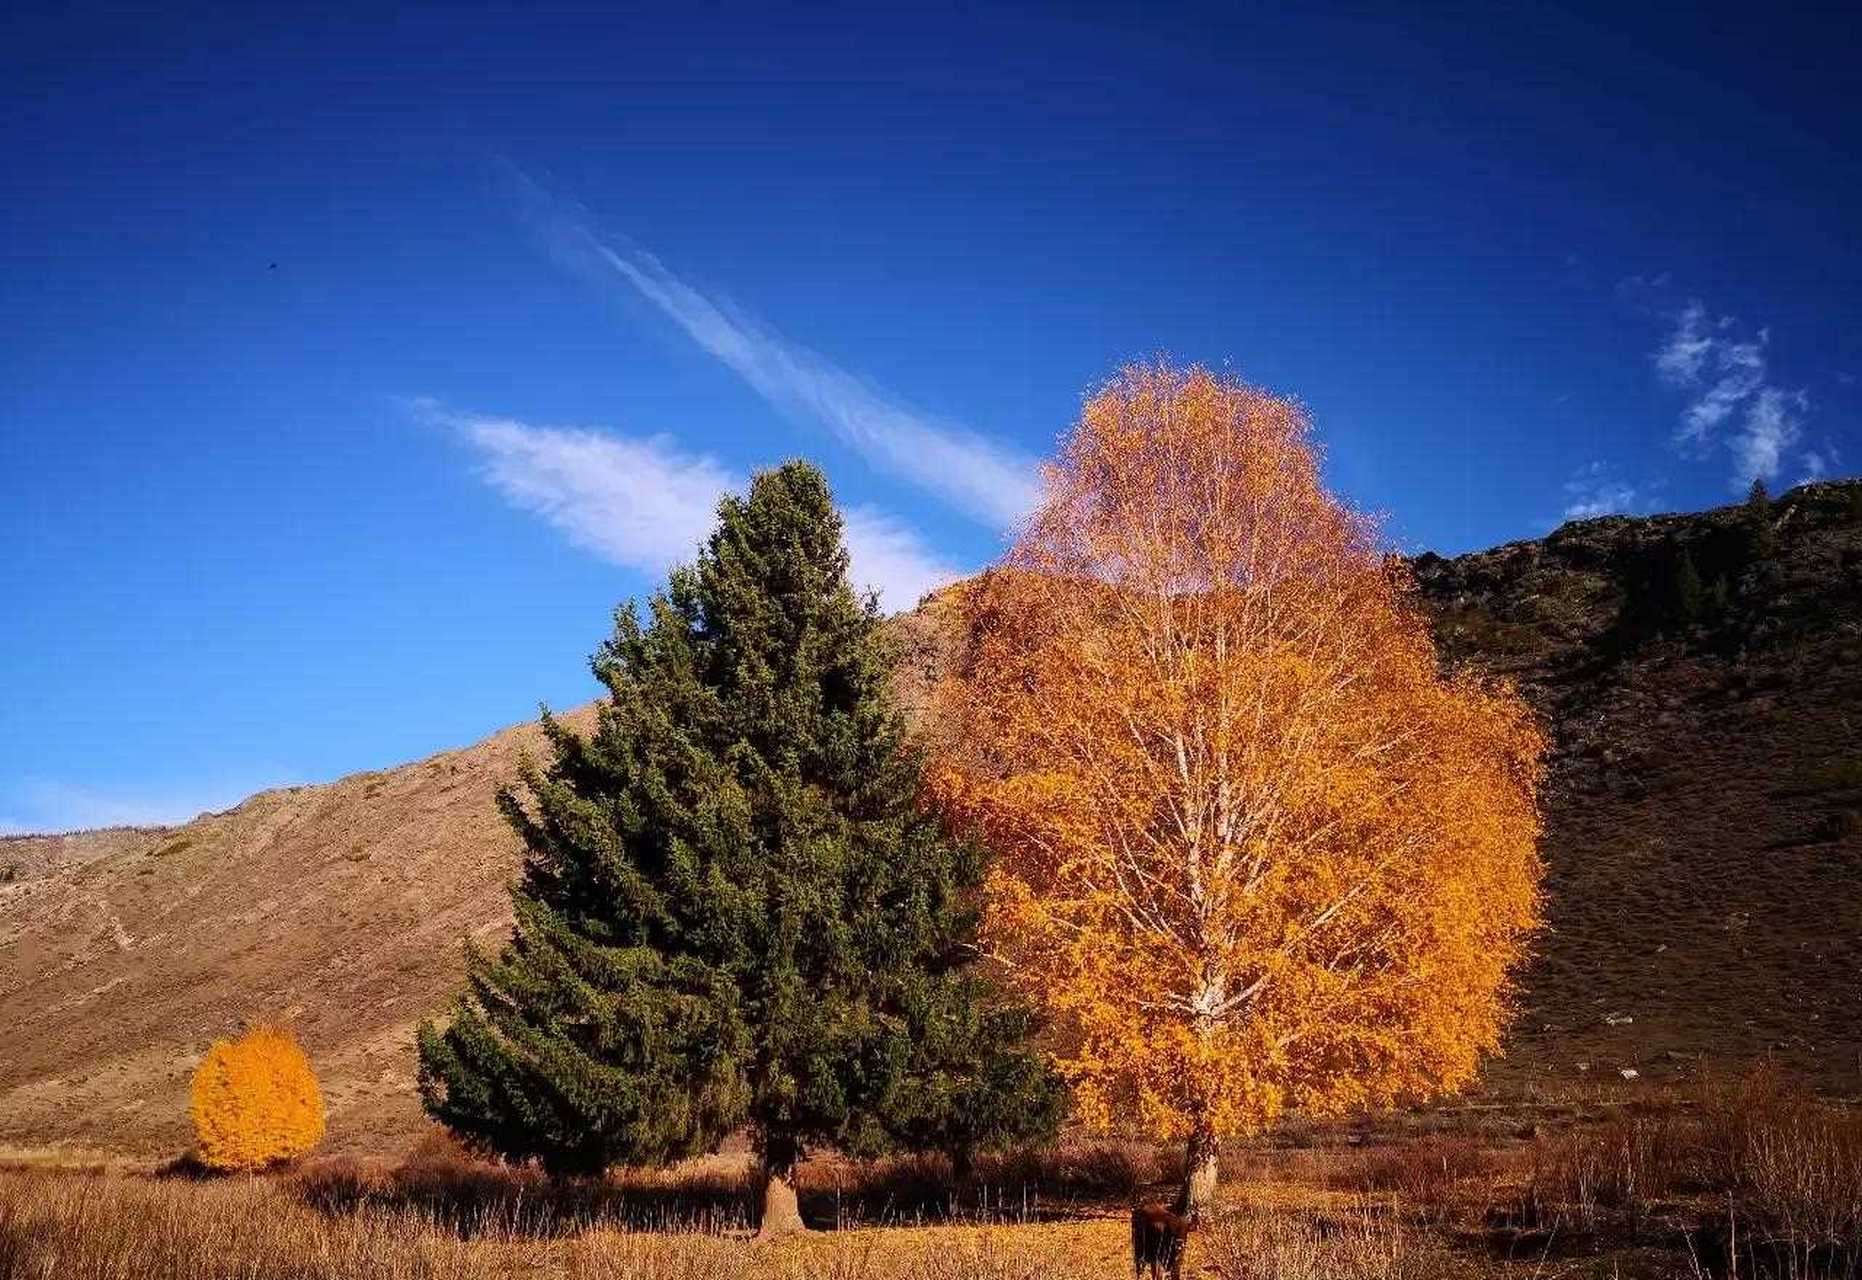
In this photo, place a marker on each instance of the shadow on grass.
(186, 1168)
(474, 1198)
(447, 1187)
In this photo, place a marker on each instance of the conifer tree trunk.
(782, 1214)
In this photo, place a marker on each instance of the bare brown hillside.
(1703, 840)
(341, 907)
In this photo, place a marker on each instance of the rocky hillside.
(1702, 675)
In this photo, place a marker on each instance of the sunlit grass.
(1749, 1173)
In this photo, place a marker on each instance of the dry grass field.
(1736, 1177)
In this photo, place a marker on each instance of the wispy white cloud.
(1682, 358)
(643, 502)
(1720, 369)
(1820, 463)
(1724, 370)
(986, 479)
(892, 559)
(1773, 423)
(1596, 490)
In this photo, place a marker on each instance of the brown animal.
(1157, 1239)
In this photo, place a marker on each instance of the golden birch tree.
(1256, 849)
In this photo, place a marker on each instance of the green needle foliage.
(733, 909)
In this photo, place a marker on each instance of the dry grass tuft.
(1769, 1176)
(1363, 1243)
(1802, 1184)
(1627, 1163)
(1430, 1177)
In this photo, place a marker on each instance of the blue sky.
(355, 365)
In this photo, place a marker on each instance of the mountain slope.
(1704, 850)
(1702, 836)
(341, 907)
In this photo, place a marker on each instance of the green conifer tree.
(1689, 594)
(1762, 534)
(733, 909)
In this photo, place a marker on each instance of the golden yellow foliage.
(1256, 849)
(255, 1101)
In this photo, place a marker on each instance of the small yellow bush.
(256, 1101)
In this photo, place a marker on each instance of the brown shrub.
(1802, 1180)
(1733, 1111)
(1429, 1176)
(1630, 1162)
(1790, 1165)
(1089, 1170)
(1781, 1170)
(1011, 1186)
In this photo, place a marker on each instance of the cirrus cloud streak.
(985, 480)
(988, 480)
(647, 503)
